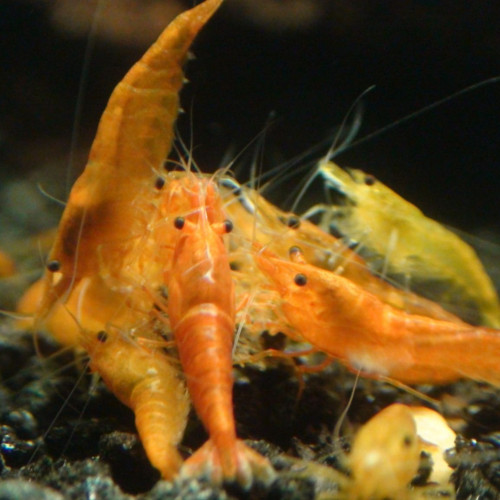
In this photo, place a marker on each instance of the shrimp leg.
(346, 322)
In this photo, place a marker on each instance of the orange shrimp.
(201, 312)
(353, 325)
(119, 242)
(113, 202)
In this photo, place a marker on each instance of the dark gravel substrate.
(60, 438)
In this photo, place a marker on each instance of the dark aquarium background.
(297, 63)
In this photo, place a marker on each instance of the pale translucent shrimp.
(386, 454)
(412, 246)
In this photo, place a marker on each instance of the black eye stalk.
(370, 180)
(179, 222)
(300, 279)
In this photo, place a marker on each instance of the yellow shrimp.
(413, 246)
(397, 455)
(144, 380)
(386, 454)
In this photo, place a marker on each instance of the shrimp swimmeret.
(414, 247)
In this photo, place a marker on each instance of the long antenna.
(82, 87)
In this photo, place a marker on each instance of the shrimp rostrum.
(140, 259)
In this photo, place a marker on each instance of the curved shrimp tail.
(160, 423)
(146, 382)
(207, 462)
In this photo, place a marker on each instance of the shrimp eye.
(159, 183)
(228, 226)
(293, 222)
(300, 279)
(294, 251)
(102, 336)
(179, 222)
(407, 441)
(54, 266)
(370, 180)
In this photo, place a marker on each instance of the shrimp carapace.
(410, 246)
(343, 320)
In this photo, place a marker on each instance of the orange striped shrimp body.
(346, 322)
(266, 224)
(202, 315)
(145, 381)
(414, 247)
